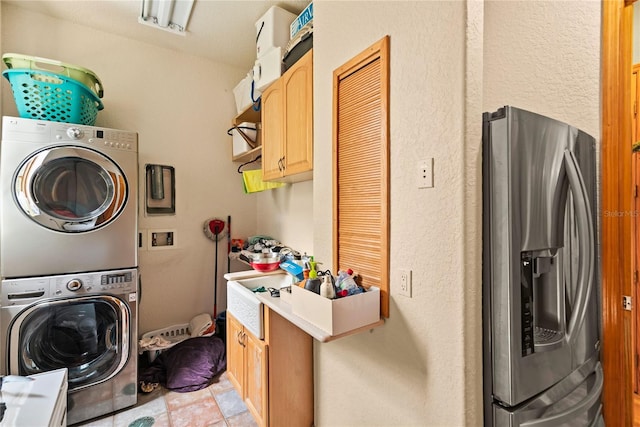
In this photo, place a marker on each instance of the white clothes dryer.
(68, 196)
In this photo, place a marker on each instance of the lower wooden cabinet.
(273, 376)
(247, 368)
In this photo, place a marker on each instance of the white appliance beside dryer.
(68, 197)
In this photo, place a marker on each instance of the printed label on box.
(303, 19)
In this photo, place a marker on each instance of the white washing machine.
(68, 197)
(86, 323)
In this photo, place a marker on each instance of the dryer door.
(88, 335)
(70, 189)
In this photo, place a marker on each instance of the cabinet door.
(298, 119)
(256, 385)
(272, 132)
(235, 353)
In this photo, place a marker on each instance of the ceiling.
(221, 30)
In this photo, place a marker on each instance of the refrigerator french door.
(541, 315)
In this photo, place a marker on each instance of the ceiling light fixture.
(168, 15)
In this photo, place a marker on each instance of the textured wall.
(181, 106)
(544, 56)
(286, 214)
(411, 371)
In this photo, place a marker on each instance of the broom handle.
(228, 243)
(215, 283)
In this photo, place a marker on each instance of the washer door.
(88, 335)
(70, 189)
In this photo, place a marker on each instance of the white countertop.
(284, 309)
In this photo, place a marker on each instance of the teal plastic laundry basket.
(45, 95)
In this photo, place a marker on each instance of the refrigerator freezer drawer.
(581, 407)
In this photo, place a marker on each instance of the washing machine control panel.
(93, 136)
(16, 292)
(117, 281)
(113, 283)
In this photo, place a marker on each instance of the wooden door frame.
(616, 211)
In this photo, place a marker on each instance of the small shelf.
(249, 115)
(248, 155)
(252, 116)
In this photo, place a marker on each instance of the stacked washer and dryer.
(68, 259)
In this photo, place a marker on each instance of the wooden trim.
(616, 205)
(375, 251)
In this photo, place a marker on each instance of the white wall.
(411, 371)
(286, 214)
(181, 106)
(544, 56)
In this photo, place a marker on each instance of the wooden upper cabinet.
(272, 131)
(298, 110)
(287, 125)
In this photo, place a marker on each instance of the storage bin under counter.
(355, 323)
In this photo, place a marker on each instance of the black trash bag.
(221, 326)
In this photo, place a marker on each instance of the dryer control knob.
(74, 285)
(75, 133)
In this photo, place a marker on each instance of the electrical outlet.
(405, 283)
(161, 239)
(425, 173)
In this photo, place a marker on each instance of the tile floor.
(218, 405)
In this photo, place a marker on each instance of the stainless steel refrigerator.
(541, 297)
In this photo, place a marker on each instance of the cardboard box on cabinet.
(337, 316)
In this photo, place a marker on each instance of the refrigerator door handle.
(571, 413)
(586, 245)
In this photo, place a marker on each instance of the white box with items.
(272, 30)
(337, 316)
(268, 68)
(243, 93)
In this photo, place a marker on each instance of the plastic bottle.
(326, 289)
(312, 273)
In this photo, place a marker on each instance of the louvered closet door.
(361, 205)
